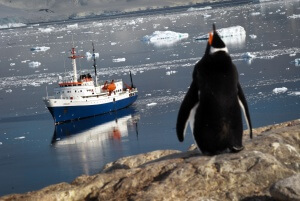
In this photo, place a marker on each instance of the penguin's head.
(215, 42)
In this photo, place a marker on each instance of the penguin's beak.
(210, 38)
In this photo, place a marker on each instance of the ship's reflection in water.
(96, 140)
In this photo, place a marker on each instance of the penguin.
(214, 102)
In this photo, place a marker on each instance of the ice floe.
(234, 31)
(72, 26)
(199, 9)
(294, 16)
(294, 93)
(296, 62)
(90, 56)
(280, 90)
(171, 72)
(34, 64)
(40, 49)
(46, 30)
(151, 104)
(12, 25)
(252, 36)
(161, 38)
(119, 60)
(20, 138)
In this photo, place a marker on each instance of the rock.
(272, 155)
(287, 189)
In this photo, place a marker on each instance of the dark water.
(34, 153)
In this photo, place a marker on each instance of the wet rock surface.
(273, 155)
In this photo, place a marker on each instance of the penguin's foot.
(236, 149)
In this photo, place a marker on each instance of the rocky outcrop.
(272, 155)
(287, 189)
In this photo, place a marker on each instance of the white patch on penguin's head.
(215, 42)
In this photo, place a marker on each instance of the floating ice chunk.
(255, 13)
(170, 72)
(8, 91)
(197, 9)
(294, 16)
(252, 36)
(12, 64)
(248, 55)
(11, 25)
(161, 38)
(20, 138)
(46, 30)
(113, 43)
(90, 56)
(72, 26)
(280, 90)
(206, 15)
(234, 31)
(34, 64)
(40, 49)
(296, 62)
(294, 93)
(119, 60)
(151, 104)
(0, 143)
(25, 61)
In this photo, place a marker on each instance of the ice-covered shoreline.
(41, 17)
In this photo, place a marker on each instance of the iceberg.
(235, 35)
(34, 64)
(40, 49)
(280, 90)
(234, 31)
(161, 38)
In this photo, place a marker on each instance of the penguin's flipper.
(244, 106)
(187, 107)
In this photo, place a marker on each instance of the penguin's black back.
(218, 115)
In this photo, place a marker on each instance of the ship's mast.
(95, 66)
(73, 57)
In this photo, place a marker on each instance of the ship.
(83, 97)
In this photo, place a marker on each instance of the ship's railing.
(48, 97)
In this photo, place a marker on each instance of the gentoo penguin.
(214, 102)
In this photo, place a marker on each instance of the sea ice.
(252, 36)
(294, 93)
(11, 25)
(294, 16)
(72, 26)
(151, 104)
(34, 64)
(89, 55)
(280, 90)
(198, 9)
(20, 138)
(255, 13)
(119, 60)
(171, 72)
(40, 49)
(164, 37)
(234, 31)
(296, 62)
(46, 30)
